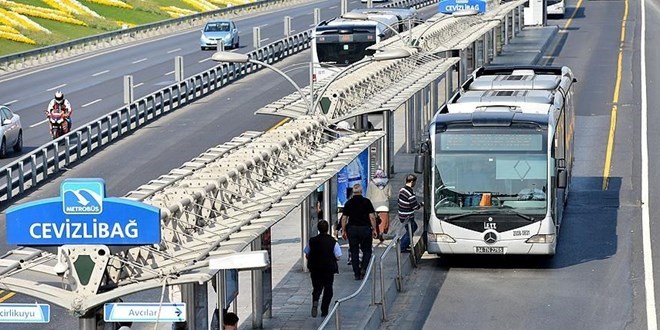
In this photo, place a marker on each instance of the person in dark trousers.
(358, 223)
(407, 205)
(322, 253)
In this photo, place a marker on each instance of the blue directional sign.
(450, 6)
(144, 312)
(83, 215)
(24, 313)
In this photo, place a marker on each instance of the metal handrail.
(336, 307)
(396, 241)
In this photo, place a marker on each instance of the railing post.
(21, 180)
(256, 37)
(10, 186)
(128, 89)
(287, 26)
(33, 169)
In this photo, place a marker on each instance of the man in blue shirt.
(322, 253)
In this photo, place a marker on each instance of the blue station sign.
(83, 215)
(451, 6)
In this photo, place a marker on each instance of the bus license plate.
(489, 249)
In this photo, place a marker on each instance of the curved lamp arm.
(243, 58)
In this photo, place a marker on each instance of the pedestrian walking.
(407, 205)
(358, 222)
(322, 253)
(379, 193)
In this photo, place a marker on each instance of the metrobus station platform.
(292, 288)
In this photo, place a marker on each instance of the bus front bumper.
(464, 246)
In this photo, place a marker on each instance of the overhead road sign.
(453, 6)
(24, 313)
(144, 312)
(83, 215)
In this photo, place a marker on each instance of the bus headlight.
(440, 238)
(542, 238)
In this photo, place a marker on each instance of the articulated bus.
(498, 161)
(340, 42)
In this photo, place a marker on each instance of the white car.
(12, 132)
(217, 32)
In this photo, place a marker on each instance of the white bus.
(553, 9)
(340, 42)
(556, 8)
(498, 162)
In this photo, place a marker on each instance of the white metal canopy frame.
(378, 82)
(216, 204)
(310, 106)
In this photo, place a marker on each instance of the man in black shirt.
(358, 223)
(322, 254)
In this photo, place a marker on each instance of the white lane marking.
(649, 286)
(333, 7)
(100, 73)
(204, 60)
(37, 124)
(10, 102)
(56, 87)
(138, 61)
(174, 50)
(138, 85)
(90, 103)
(312, 25)
(263, 25)
(169, 73)
(265, 39)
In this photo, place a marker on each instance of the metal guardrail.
(335, 310)
(79, 46)
(396, 241)
(37, 166)
(394, 244)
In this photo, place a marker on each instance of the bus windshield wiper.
(490, 211)
(466, 214)
(522, 215)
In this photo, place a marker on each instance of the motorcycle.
(58, 124)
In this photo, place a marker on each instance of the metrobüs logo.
(82, 196)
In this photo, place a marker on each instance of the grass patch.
(9, 47)
(175, 3)
(143, 12)
(137, 16)
(37, 3)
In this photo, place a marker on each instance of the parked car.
(220, 31)
(11, 130)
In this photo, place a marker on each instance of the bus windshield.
(490, 172)
(344, 45)
(342, 54)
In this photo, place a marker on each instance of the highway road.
(596, 281)
(93, 83)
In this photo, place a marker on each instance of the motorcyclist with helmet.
(59, 103)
